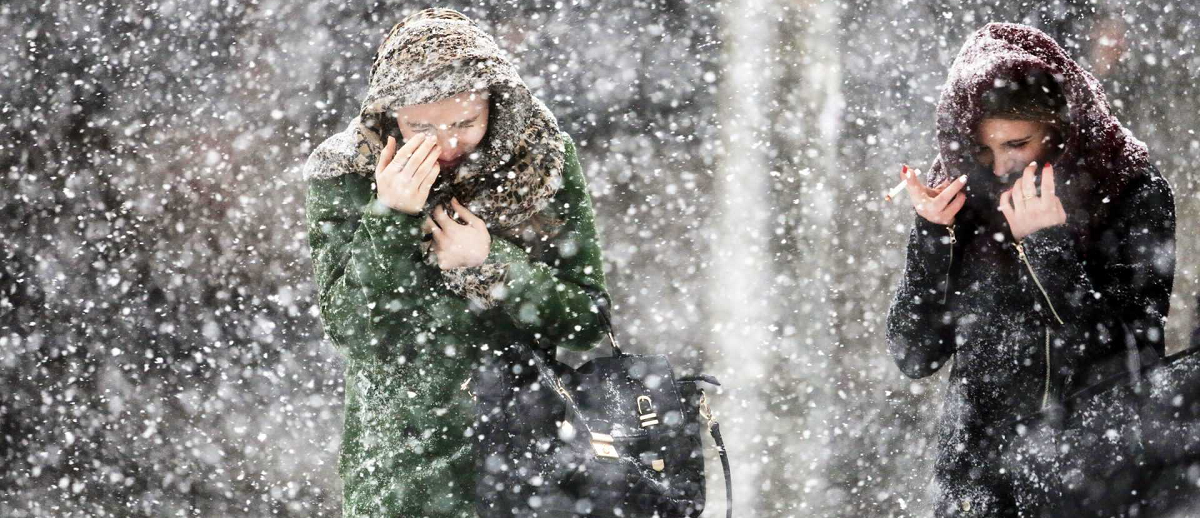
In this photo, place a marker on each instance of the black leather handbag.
(618, 437)
(1133, 436)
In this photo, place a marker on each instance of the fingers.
(955, 205)
(915, 191)
(430, 161)
(399, 158)
(1019, 194)
(429, 178)
(1048, 181)
(439, 238)
(466, 214)
(385, 157)
(1006, 205)
(410, 146)
(443, 218)
(1029, 181)
(419, 157)
(949, 193)
(1024, 190)
(411, 154)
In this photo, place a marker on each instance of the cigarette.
(899, 187)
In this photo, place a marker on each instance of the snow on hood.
(1095, 142)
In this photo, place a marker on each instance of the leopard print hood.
(513, 174)
(439, 53)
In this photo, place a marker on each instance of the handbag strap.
(601, 300)
(549, 377)
(603, 305)
(715, 430)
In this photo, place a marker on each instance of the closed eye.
(467, 123)
(423, 127)
(1017, 144)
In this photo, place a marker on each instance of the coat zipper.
(1021, 254)
(1046, 390)
(953, 240)
(1025, 259)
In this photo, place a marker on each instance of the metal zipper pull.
(953, 240)
(1024, 259)
(466, 387)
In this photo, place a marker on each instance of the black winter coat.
(1026, 323)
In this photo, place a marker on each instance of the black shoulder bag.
(1163, 396)
(618, 437)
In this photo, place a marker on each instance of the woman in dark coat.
(1041, 261)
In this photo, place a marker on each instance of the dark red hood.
(1100, 156)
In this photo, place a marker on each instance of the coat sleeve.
(366, 266)
(1128, 289)
(550, 295)
(920, 333)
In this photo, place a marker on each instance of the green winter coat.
(409, 343)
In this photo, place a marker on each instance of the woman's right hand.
(938, 204)
(403, 178)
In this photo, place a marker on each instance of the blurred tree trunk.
(808, 190)
(739, 281)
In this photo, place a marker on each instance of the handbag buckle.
(602, 444)
(646, 416)
(705, 411)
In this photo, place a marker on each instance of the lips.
(444, 164)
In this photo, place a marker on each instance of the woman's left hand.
(1027, 212)
(459, 245)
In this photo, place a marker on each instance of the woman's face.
(1007, 146)
(458, 122)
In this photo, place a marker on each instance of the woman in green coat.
(448, 219)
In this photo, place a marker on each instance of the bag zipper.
(1024, 259)
(953, 240)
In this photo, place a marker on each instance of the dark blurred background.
(160, 351)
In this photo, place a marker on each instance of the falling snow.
(161, 351)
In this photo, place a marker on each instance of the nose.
(1001, 167)
(448, 142)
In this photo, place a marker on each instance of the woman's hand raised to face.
(1027, 212)
(403, 178)
(936, 204)
(459, 245)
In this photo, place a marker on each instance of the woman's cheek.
(471, 138)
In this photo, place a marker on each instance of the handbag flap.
(629, 395)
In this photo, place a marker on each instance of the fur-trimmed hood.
(512, 175)
(433, 55)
